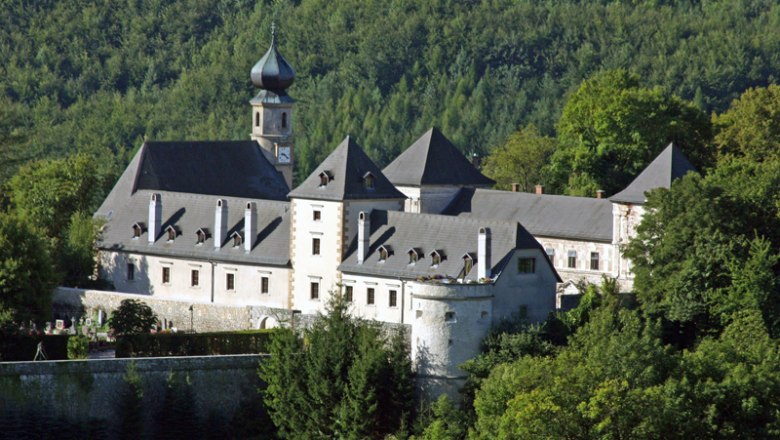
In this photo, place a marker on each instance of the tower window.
(284, 120)
(315, 246)
(526, 265)
(257, 119)
(264, 285)
(315, 290)
(317, 215)
(130, 271)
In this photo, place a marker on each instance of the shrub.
(78, 347)
(192, 344)
(132, 316)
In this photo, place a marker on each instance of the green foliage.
(78, 347)
(611, 128)
(78, 251)
(346, 381)
(133, 316)
(26, 275)
(750, 128)
(520, 160)
(192, 344)
(447, 423)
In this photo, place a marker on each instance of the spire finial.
(273, 30)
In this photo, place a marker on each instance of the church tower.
(272, 109)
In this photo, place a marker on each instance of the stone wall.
(90, 391)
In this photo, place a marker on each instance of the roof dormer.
(171, 232)
(414, 255)
(238, 240)
(325, 178)
(437, 256)
(201, 235)
(138, 229)
(368, 181)
(468, 262)
(384, 252)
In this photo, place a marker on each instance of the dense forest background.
(100, 76)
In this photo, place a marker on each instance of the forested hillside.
(99, 76)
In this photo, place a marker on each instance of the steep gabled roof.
(346, 169)
(433, 160)
(546, 215)
(451, 237)
(671, 164)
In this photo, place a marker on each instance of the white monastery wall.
(532, 292)
(380, 310)
(561, 248)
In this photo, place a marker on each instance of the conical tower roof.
(671, 164)
(347, 174)
(272, 72)
(433, 160)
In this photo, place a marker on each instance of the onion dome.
(272, 72)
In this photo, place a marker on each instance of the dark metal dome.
(272, 72)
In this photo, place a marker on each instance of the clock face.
(283, 155)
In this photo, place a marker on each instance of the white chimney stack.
(155, 217)
(250, 225)
(220, 223)
(364, 230)
(483, 253)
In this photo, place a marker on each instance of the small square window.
(572, 260)
(315, 246)
(594, 261)
(348, 293)
(314, 290)
(166, 275)
(526, 265)
(317, 215)
(264, 285)
(195, 278)
(370, 296)
(393, 298)
(449, 316)
(130, 271)
(230, 281)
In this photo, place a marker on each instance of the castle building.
(423, 243)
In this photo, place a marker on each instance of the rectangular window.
(166, 275)
(130, 271)
(317, 215)
(526, 265)
(348, 293)
(315, 246)
(315, 290)
(370, 296)
(594, 261)
(195, 278)
(230, 281)
(572, 263)
(550, 254)
(393, 299)
(264, 285)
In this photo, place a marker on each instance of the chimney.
(220, 223)
(483, 253)
(600, 194)
(250, 225)
(155, 217)
(539, 190)
(364, 229)
(515, 187)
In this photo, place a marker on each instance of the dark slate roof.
(189, 212)
(452, 237)
(577, 218)
(272, 72)
(671, 164)
(347, 166)
(271, 97)
(433, 160)
(224, 168)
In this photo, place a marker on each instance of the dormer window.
(325, 178)
(436, 258)
(171, 232)
(138, 229)
(368, 181)
(468, 263)
(202, 234)
(384, 252)
(414, 255)
(237, 239)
